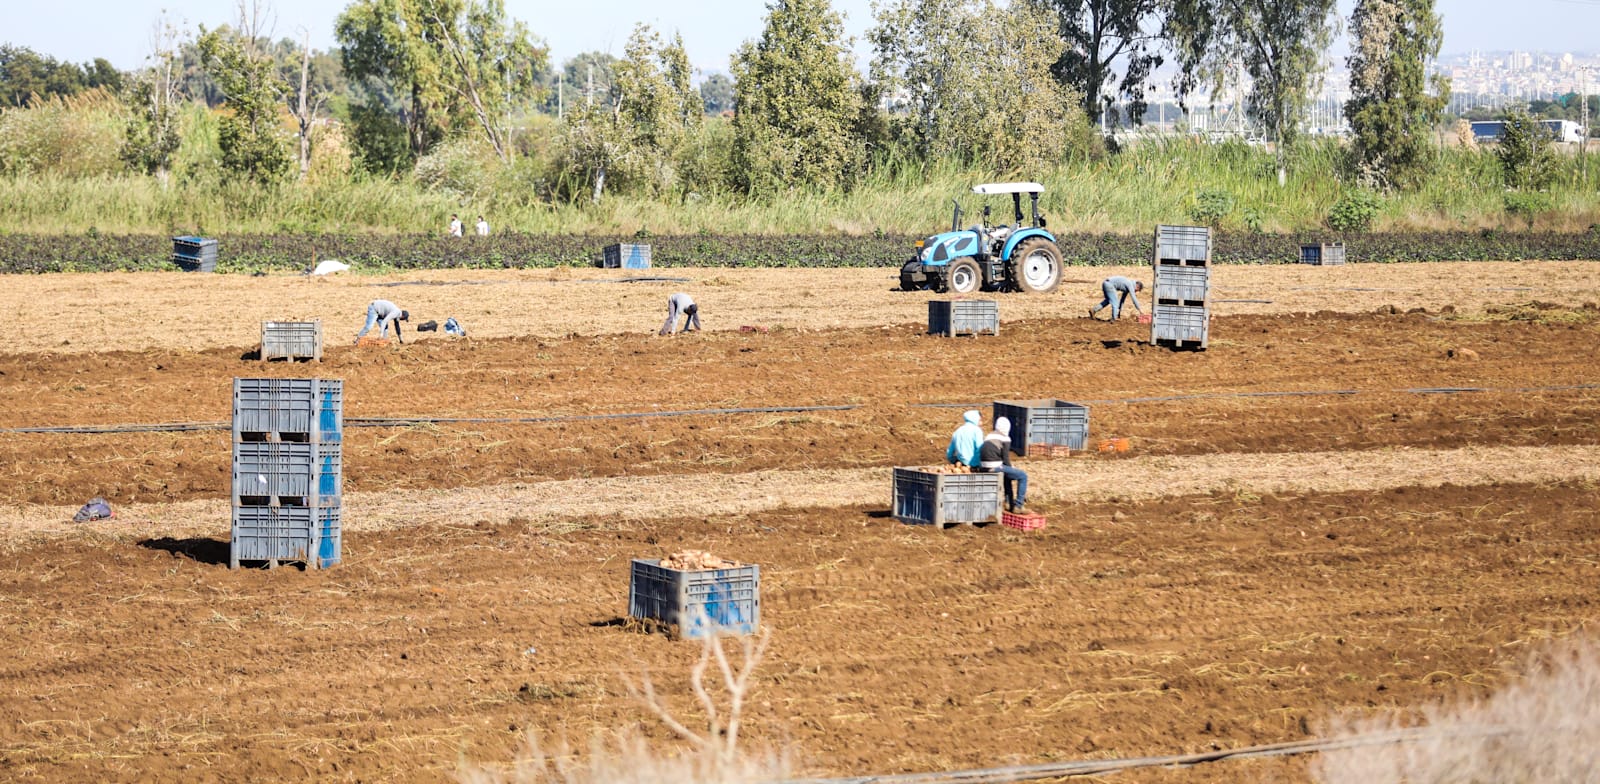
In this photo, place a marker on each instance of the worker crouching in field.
(684, 304)
(994, 457)
(965, 442)
(1118, 290)
(381, 313)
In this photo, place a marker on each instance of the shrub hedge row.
(27, 253)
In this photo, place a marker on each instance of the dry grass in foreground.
(1544, 728)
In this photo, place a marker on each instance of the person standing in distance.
(483, 227)
(455, 225)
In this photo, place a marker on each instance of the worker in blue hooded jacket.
(965, 442)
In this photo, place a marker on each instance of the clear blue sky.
(119, 30)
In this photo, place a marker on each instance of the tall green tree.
(588, 78)
(926, 57)
(634, 142)
(1278, 43)
(1099, 35)
(25, 73)
(493, 65)
(236, 59)
(1390, 109)
(1526, 161)
(389, 43)
(797, 100)
(976, 80)
(453, 63)
(716, 94)
(151, 136)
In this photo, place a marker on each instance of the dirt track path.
(77, 313)
(1053, 484)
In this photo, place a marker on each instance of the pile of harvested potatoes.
(694, 561)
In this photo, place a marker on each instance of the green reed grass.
(1149, 182)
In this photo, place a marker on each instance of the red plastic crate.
(1022, 521)
(1049, 450)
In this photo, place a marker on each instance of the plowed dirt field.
(1341, 506)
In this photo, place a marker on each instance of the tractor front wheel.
(1036, 266)
(965, 277)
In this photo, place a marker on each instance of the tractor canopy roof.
(1008, 187)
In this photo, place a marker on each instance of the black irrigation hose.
(648, 279)
(162, 427)
(404, 421)
(185, 427)
(1053, 770)
(188, 427)
(1304, 393)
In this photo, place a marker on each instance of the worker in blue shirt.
(1118, 290)
(964, 443)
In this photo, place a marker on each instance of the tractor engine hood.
(941, 249)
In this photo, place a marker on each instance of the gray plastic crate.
(195, 254)
(1181, 282)
(926, 498)
(1181, 326)
(291, 340)
(1048, 421)
(696, 603)
(264, 472)
(963, 317)
(1183, 244)
(1325, 254)
(622, 256)
(274, 534)
(290, 409)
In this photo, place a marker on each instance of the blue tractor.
(1016, 257)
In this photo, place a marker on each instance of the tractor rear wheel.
(1036, 266)
(965, 277)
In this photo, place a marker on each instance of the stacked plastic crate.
(1181, 316)
(195, 254)
(287, 471)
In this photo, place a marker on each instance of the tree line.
(1006, 87)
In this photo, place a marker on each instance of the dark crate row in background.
(239, 252)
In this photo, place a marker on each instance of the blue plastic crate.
(696, 603)
(294, 534)
(311, 472)
(1324, 254)
(195, 254)
(624, 256)
(303, 409)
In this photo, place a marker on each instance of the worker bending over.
(684, 304)
(994, 457)
(381, 313)
(1118, 290)
(965, 442)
